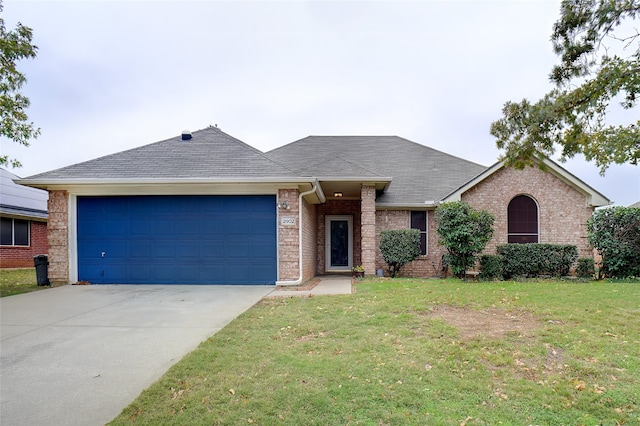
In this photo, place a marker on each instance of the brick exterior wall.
(424, 266)
(339, 207)
(563, 213)
(22, 257)
(58, 234)
(309, 241)
(562, 210)
(368, 229)
(288, 235)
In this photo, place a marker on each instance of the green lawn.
(16, 281)
(423, 352)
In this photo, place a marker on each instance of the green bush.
(464, 232)
(491, 267)
(615, 233)
(531, 260)
(586, 267)
(399, 247)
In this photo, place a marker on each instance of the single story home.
(206, 208)
(23, 227)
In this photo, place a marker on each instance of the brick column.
(368, 228)
(288, 235)
(58, 236)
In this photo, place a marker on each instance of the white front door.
(339, 243)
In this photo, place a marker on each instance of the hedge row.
(528, 260)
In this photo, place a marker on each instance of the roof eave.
(29, 214)
(594, 197)
(58, 183)
(381, 183)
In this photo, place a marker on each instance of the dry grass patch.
(492, 323)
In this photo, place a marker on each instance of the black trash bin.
(41, 262)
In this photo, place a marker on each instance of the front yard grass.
(17, 281)
(407, 351)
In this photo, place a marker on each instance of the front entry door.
(339, 243)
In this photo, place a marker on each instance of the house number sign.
(288, 220)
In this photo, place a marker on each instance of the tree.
(399, 247)
(593, 72)
(464, 232)
(615, 233)
(14, 122)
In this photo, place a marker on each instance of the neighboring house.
(206, 208)
(23, 217)
(635, 205)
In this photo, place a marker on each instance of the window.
(419, 221)
(523, 220)
(14, 232)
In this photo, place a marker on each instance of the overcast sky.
(116, 75)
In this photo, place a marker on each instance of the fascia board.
(594, 198)
(41, 217)
(365, 180)
(62, 183)
(99, 182)
(368, 179)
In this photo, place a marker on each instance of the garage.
(177, 239)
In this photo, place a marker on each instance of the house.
(23, 217)
(206, 208)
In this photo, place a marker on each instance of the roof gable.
(594, 198)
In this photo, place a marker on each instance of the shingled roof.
(209, 153)
(419, 173)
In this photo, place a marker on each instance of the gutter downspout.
(313, 189)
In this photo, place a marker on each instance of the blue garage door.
(177, 240)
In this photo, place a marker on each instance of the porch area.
(318, 286)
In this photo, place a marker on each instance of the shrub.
(491, 267)
(517, 260)
(530, 260)
(586, 267)
(464, 232)
(557, 259)
(615, 233)
(399, 247)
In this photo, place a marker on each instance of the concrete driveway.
(78, 355)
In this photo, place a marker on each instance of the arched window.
(522, 217)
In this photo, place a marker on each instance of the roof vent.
(186, 135)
